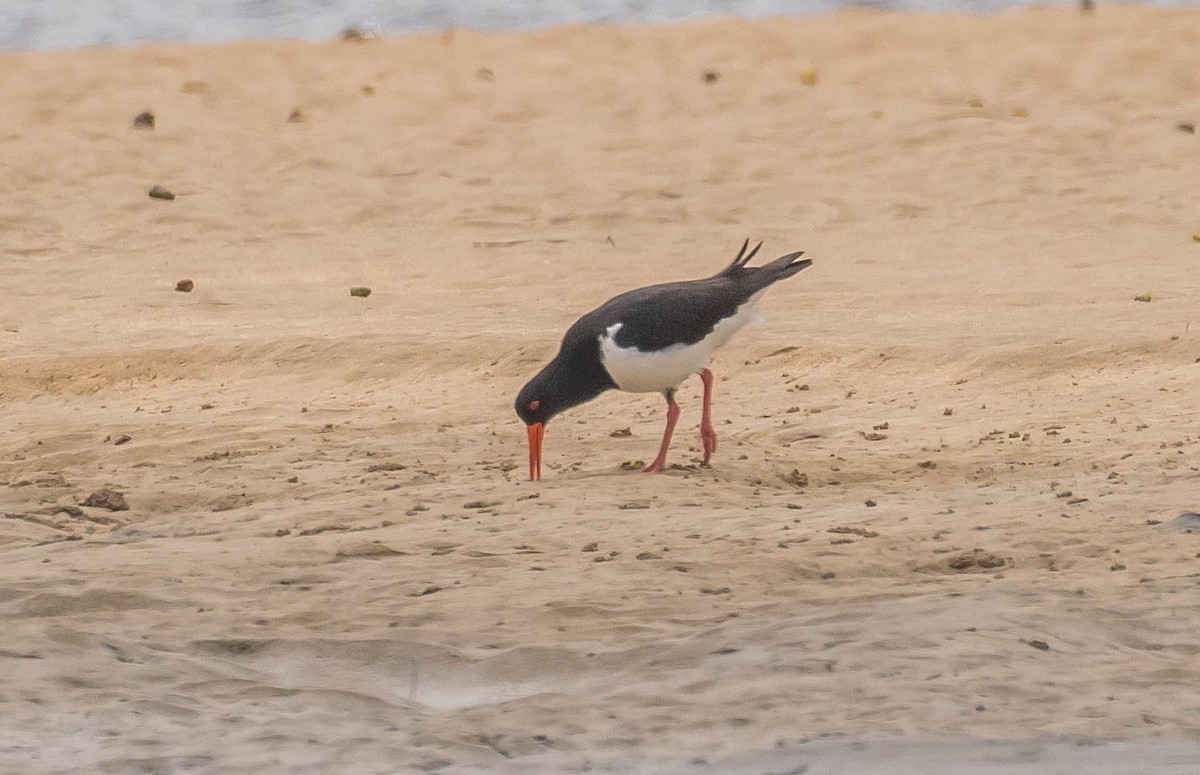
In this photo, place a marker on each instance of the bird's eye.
(533, 405)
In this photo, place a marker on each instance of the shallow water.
(51, 24)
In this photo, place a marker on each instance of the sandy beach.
(941, 527)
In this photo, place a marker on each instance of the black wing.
(659, 316)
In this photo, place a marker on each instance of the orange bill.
(536, 431)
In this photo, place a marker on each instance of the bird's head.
(530, 408)
(574, 376)
(559, 386)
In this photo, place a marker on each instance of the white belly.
(635, 371)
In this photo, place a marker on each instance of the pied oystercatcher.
(648, 341)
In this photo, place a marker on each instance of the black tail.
(741, 260)
(762, 276)
(784, 266)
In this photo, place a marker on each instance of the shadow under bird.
(649, 341)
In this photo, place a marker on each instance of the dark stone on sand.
(185, 286)
(296, 116)
(857, 531)
(143, 120)
(107, 498)
(976, 558)
(1040, 645)
(361, 291)
(159, 192)
(386, 467)
(711, 76)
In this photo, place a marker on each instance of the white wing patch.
(636, 371)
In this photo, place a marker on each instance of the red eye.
(533, 405)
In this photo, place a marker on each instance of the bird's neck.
(575, 380)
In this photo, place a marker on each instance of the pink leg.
(707, 434)
(672, 418)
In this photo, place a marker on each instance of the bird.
(650, 340)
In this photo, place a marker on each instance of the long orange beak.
(536, 432)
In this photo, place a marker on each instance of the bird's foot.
(654, 467)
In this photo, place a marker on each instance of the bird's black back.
(683, 312)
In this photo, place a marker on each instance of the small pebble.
(159, 192)
(711, 76)
(361, 291)
(1144, 296)
(296, 116)
(807, 76)
(355, 34)
(143, 120)
(185, 286)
